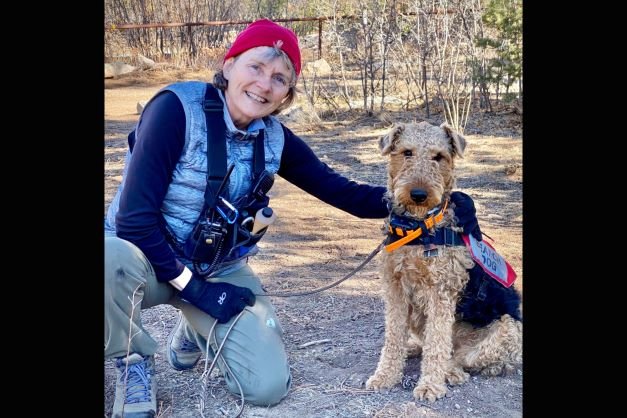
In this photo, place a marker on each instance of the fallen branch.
(326, 340)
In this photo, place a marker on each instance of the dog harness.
(483, 299)
(406, 230)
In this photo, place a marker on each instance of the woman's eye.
(438, 157)
(408, 153)
(280, 79)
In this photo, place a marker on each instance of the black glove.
(466, 214)
(220, 300)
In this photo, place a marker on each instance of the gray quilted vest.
(185, 196)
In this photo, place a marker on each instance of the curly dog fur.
(421, 293)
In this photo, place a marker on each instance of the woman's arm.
(301, 167)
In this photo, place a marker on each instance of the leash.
(208, 369)
(320, 289)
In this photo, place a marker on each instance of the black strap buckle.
(449, 237)
(430, 251)
(215, 178)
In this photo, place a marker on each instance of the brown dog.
(423, 283)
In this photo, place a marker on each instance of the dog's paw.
(494, 370)
(429, 392)
(378, 382)
(498, 370)
(456, 376)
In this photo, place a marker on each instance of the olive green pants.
(254, 350)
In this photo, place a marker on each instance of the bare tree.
(183, 45)
(445, 53)
(431, 47)
(340, 46)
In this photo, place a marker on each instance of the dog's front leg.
(392, 361)
(438, 347)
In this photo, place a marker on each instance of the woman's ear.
(227, 67)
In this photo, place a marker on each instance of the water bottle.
(263, 218)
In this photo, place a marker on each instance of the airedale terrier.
(458, 324)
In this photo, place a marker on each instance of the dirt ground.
(334, 338)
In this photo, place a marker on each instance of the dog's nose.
(418, 195)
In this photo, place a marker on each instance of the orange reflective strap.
(396, 244)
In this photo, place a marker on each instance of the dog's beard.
(412, 209)
(403, 204)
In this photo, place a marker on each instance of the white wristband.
(181, 281)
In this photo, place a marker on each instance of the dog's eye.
(438, 157)
(408, 153)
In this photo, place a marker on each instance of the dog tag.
(490, 261)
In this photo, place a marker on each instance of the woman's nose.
(265, 82)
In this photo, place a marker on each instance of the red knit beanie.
(264, 32)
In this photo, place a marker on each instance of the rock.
(114, 69)
(140, 106)
(510, 169)
(145, 63)
(300, 114)
(319, 67)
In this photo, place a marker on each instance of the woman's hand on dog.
(466, 214)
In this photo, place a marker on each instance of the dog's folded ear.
(458, 142)
(388, 142)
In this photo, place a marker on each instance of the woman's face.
(258, 84)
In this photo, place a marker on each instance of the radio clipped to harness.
(224, 230)
(262, 186)
(257, 199)
(205, 242)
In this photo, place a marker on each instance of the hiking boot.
(135, 387)
(183, 353)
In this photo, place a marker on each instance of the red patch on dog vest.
(490, 261)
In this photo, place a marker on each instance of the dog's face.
(421, 165)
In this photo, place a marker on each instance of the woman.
(164, 224)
